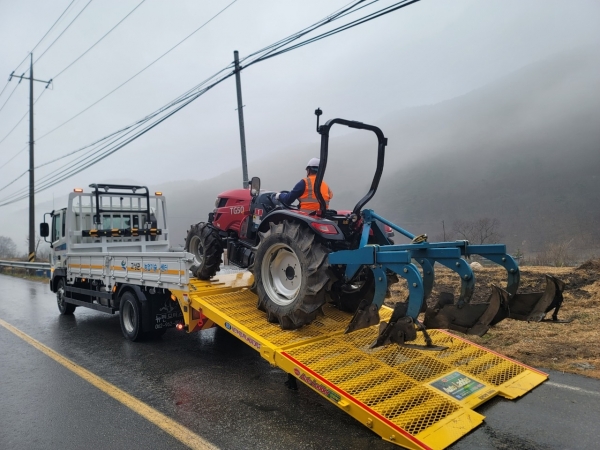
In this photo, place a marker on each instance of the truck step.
(97, 307)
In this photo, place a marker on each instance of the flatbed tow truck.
(110, 253)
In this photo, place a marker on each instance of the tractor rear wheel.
(291, 273)
(205, 244)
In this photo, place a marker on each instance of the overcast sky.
(423, 54)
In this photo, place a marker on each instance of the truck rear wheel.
(291, 274)
(66, 309)
(130, 316)
(205, 244)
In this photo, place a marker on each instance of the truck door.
(58, 238)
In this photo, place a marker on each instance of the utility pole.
(240, 109)
(31, 255)
(444, 228)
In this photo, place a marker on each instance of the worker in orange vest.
(304, 190)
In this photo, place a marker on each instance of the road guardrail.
(25, 265)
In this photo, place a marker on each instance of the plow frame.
(398, 257)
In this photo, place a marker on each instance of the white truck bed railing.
(168, 270)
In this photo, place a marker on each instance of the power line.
(4, 88)
(20, 151)
(17, 124)
(295, 36)
(50, 29)
(75, 167)
(97, 154)
(63, 32)
(78, 166)
(24, 59)
(11, 94)
(67, 67)
(329, 33)
(138, 73)
(99, 40)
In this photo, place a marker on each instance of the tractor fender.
(147, 323)
(281, 215)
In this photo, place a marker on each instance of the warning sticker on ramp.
(457, 385)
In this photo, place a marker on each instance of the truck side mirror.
(44, 230)
(254, 186)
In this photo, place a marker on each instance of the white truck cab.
(110, 252)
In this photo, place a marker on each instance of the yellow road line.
(179, 432)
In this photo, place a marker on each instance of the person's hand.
(277, 195)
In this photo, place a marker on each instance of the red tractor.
(286, 248)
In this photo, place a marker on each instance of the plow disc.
(467, 318)
(479, 317)
(533, 307)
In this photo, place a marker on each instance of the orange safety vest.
(308, 199)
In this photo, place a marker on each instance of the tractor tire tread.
(315, 266)
(213, 250)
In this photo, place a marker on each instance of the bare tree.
(43, 253)
(38, 239)
(557, 254)
(8, 248)
(479, 231)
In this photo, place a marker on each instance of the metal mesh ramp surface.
(414, 398)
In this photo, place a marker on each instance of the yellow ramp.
(417, 399)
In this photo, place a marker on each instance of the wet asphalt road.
(219, 388)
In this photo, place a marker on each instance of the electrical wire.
(11, 94)
(99, 40)
(127, 129)
(39, 42)
(95, 155)
(17, 124)
(73, 168)
(67, 67)
(4, 88)
(80, 165)
(20, 151)
(50, 29)
(63, 32)
(138, 73)
(272, 53)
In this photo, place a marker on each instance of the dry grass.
(571, 347)
(19, 273)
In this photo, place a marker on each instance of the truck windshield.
(115, 221)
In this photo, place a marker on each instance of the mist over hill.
(524, 150)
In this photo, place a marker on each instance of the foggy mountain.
(524, 150)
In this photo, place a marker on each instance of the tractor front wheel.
(205, 244)
(290, 271)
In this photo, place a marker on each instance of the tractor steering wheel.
(285, 205)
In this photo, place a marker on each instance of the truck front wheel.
(66, 309)
(130, 316)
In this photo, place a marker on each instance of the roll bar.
(323, 130)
